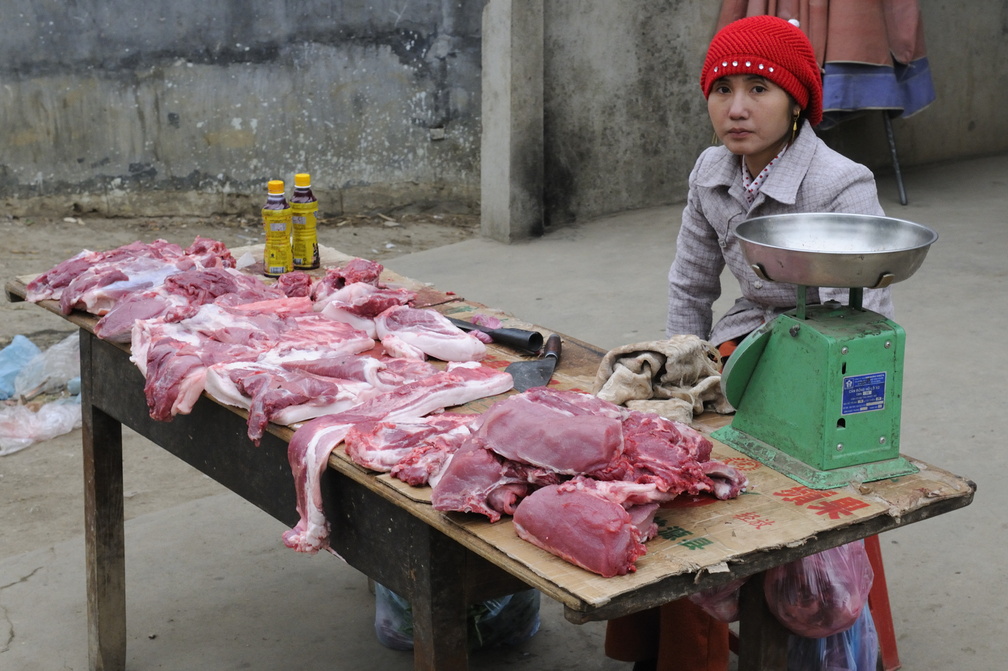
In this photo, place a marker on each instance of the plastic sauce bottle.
(304, 211)
(277, 256)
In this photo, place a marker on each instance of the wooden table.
(442, 562)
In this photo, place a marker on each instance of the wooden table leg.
(762, 639)
(411, 558)
(439, 609)
(103, 527)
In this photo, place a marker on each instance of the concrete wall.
(161, 107)
(624, 120)
(188, 106)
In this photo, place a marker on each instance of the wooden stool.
(878, 604)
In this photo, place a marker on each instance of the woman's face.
(752, 116)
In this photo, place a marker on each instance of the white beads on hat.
(748, 64)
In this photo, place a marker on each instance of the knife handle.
(552, 347)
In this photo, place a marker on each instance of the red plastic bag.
(822, 594)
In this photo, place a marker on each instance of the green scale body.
(818, 395)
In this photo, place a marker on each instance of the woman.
(764, 93)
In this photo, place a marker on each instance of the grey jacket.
(809, 177)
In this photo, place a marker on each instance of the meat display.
(343, 360)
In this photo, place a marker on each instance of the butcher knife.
(528, 374)
(528, 341)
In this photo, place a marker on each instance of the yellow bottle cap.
(275, 186)
(302, 179)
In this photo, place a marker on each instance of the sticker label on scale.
(863, 393)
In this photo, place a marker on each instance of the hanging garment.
(872, 51)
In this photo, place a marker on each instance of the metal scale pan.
(834, 250)
(817, 391)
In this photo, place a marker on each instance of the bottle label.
(304, 245)
(277, 255)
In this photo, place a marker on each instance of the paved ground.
(210, 586)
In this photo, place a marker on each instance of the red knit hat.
(772, 48)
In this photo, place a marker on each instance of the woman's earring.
(714, 138)
(794, 127)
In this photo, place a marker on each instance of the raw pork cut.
(359, 303)
(174, 357)
(210, 323)
(210, 253)
(549, 430)
(672, 455)
(427, 460)
(175, 372)
(179, 296)
(54, 281)
(295, 284)
(382, 374)
(274, 394)
(353, 271)
(430, 332)
(309, 448)
(381, 446)
(96, 281)
(395, 346)
(478, 480)
(581, 527)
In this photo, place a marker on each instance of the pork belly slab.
(180, 296)
(430, 332)
(408, 447)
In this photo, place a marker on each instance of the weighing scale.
(817, 392)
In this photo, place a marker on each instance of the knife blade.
(537, 373)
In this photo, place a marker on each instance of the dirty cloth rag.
(675, 378)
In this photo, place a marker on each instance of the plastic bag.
(20, 427)
(853, 650)
(822, 594)
(49, 371)
(509, 620)
(721, 603)
(13, 359)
